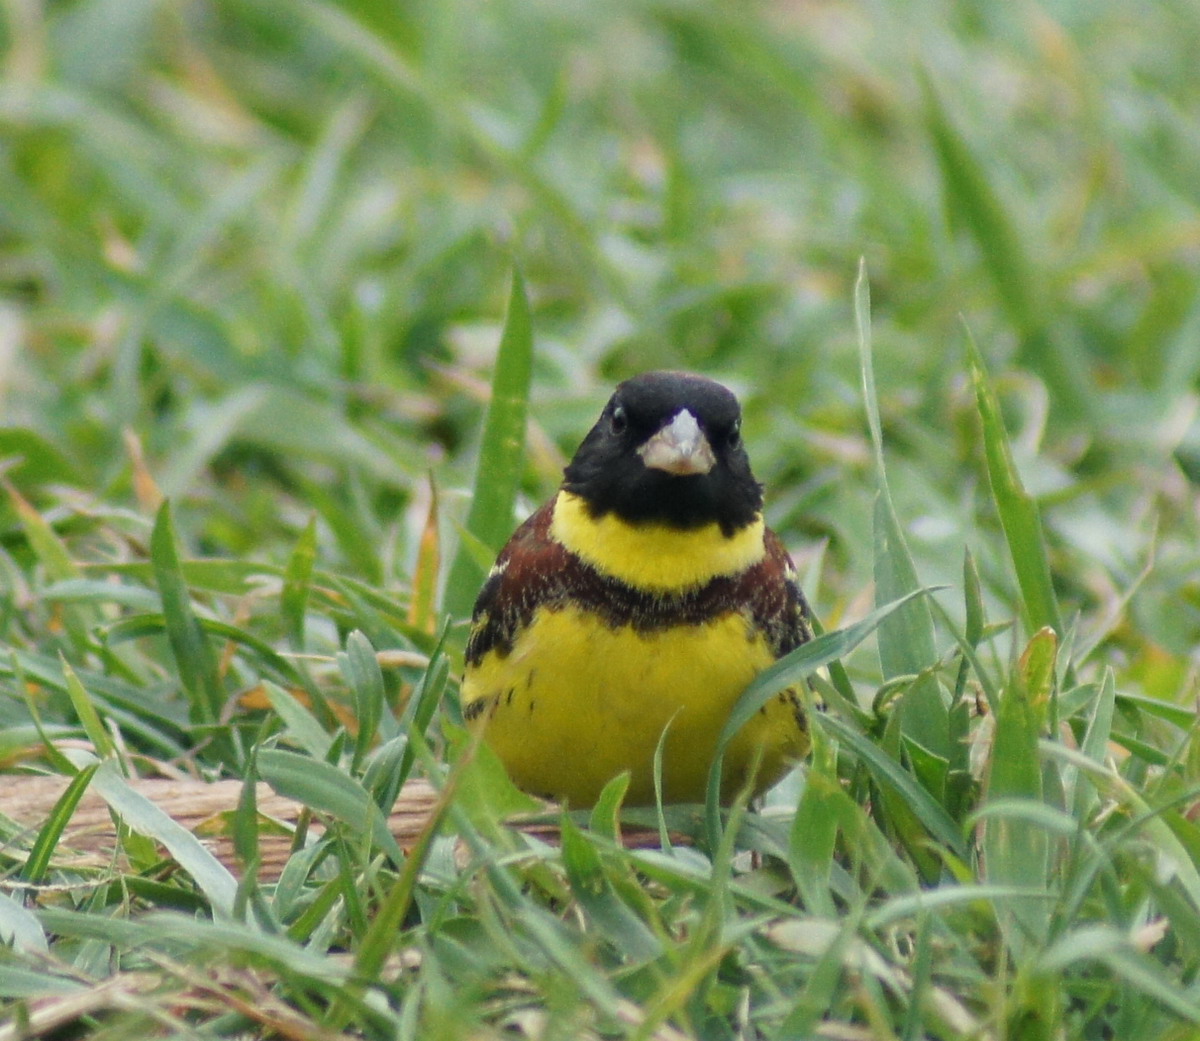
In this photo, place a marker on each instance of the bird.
(624, 617)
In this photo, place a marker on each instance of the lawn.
(281, 289)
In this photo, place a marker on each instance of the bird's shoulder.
(527, 571)
(772, 588)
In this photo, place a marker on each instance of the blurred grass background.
(255, 259)
(276, 249)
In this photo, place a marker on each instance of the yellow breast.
(577, 702)
(578, 699)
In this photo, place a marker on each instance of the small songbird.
(634, 608)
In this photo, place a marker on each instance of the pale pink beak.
(679, 448)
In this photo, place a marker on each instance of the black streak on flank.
(476, 708)
(539, 572)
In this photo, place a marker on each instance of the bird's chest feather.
(572, 663)
(579, 700)
(602, 641)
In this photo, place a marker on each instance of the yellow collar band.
(652, 556)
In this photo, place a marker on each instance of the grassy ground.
(256, 265)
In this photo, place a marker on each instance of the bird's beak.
(679, 448)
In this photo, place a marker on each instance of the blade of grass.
(38, 862)
(54, 557)
(1015, 853)
(297, 577)
(1147, 821)
(34, 459)
(43, 539)
(906, 643)
(138, 626)
(147, 819)
(194, 657)
(1107, 945)
(347, 527)
(302, 726)
(422, 608)
(594, 892)
(976, 207)
(1094, 746)
(245, 830)
(418, 714)
(486, 794)
(20, 929)
(501, 452)
(605, 817)
(896, 810)
(789, 670)
(324, 787)
(910, 905)
(888, 773)
(50, 750)
(812, 1004)
(814, 828)
(1019, 514)
(959, 782)
(382, 934)
(360, 669)
(88, 716)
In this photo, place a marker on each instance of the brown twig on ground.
(90, 839)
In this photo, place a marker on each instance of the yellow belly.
(577, 702)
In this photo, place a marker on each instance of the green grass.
(256, 272)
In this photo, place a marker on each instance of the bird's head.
(667, 449)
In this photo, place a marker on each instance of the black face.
(608, 473)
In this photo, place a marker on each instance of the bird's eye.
(735, 435)
(619, 420)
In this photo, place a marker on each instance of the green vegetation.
(255, 264)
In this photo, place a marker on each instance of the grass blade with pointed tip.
(46, 545)
(21, 931)
(906, 643)
(300, 724)
(1094, 746)
(88, 716)
(324, 787)
(360, 669)
(814, 828)
(245, 820)
(977, 208)
(501, 453)
(194, 656)
(422, 608)
(297, 576)
(789, 670)
(147, 819)
(890, 774)
(418, 714)
(38, 861)
(50, 750)
(54, 557)
(1019, 514)
(380, 938)
(599, 900)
